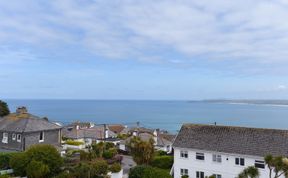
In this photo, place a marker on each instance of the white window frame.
(19, 137)
(5, 137)
(216, 158)
(199, 173)
(217, 175)
(184, 154)
(14, 136)
(41, 140)
(239, 162)
(184, 172)
(259, 162)
(200, 155)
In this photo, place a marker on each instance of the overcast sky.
(144, 49)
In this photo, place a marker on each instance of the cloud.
(249, 35)
(282, 87)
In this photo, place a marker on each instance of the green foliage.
(186, 176)
(116, 167)
(163, 162)
(18, 163)
(141, 151)
(5, 159)
(5, 176)
(278, 165)
(37, 169)
(161, 153)
(94, 169)
(148, 172)
(46, 154)
(107, 155)
(109, 145)
(99, 167)
(4, 109)
(122, 136)
(84, 156)
(64, 175)
(82, 170)
(249, 172)
(73, 142)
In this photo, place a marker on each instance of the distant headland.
(248, 101)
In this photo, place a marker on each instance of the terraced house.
(224, 151)
(20, 130)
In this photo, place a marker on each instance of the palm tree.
(249, 172)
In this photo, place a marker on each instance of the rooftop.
(237, 140)
(22, 121)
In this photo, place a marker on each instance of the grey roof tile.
(238, 140)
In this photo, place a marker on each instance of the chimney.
(155, 136)
(106, 132)
(21, 110)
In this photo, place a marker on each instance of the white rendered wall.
(226, 168)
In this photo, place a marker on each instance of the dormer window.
(13, 136)
(18, 137)
(41, 138)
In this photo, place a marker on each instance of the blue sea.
(168, 115)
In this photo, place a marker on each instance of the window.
(184, 154)
(260, 164)
(41, 138)
(200, 156)
(199, 174)
(217, 158)
(5, 138)
(13, 136)
(240, 161)
(184, 172)
(217, 175)
(18, 137)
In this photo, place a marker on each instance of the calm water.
(167, 115)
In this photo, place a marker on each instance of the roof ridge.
(227, 126)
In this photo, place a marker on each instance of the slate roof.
(25, 122)
(116, 128)
(237, 140)
(96, 132)
(161, 141)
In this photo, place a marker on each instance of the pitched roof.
(96, 132)
(116, 128)
(238, 140)
(25, 122)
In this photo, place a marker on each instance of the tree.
(278, 165)
(99, 168)
(249, 172)
(36, 169)
(142, 151)
(4, 109)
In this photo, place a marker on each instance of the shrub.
(99, 167)
(18, 163)
(161, 153)
(148, 172)
(163, 162)
(84, 156)
(116, 167)
(107, 154)
(75, 143)
(109, 145)
(4, 160)
(64, 175)
(82, 170)
(185, 176)
(36, 169)
(46, 154)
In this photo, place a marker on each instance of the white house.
(224, 151)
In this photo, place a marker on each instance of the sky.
(144, 49)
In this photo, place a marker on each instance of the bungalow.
(161, 141)
(224, 151)
(20, 130)
(88, 133)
